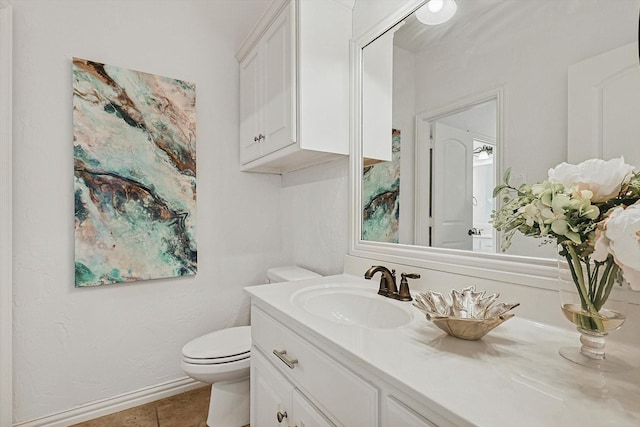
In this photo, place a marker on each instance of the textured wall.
(315, 216)
(75, 346)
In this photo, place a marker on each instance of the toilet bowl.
(222, 359)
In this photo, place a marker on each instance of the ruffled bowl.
(468, 314)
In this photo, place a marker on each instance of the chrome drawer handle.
(281, 355)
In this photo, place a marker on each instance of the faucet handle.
(403, 293)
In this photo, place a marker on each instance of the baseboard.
(113, 404)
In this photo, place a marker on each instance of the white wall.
(76, 346)
(315, 216)
(6, 174)
(404, 113)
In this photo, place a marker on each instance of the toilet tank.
(289, 273)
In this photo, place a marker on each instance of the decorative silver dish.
(469, 314)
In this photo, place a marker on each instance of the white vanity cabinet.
(321, 392)
(314, 389)
(348, 375)
(276, 402)
(270, 394)
(294, 86)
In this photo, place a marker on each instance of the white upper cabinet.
(377, 99)
(294, 86)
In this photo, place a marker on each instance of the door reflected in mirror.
(463, 175)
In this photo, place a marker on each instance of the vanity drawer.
(350, 400)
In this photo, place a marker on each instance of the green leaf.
(507, 176)
(498, 190)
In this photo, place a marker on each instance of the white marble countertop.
(512, 377)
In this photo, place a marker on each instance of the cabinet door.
(250, 106)
(305, 414)
(278, 63)
(398, 415)
(270, 394)
(604, 106)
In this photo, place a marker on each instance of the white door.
(604, 106)
(452, 179)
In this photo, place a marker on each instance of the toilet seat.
(219, 372)
(219, 347)
(217, 360)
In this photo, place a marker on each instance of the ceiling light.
(436, 12)
(435, 6)
(483, 152)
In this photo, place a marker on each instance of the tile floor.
(187, 409)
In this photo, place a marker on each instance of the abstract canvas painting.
(134, 139)
(381, 197)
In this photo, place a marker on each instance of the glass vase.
(593, 297)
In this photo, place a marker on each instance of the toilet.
(222, 359)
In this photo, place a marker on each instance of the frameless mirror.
(447, 108)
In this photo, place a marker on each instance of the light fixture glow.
(435, 6)
(436, 12)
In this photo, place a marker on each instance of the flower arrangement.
(592, 211)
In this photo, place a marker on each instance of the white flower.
(621, 238)
(602, 178)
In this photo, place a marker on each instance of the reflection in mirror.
(462, 147)
(381, 196)
(429, 167)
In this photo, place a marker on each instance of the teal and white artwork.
(381, 197)
(134, 140)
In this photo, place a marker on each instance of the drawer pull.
(281, 355)
(281, 416)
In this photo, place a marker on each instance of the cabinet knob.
(281, 416)
(255, 139)
(261, 137)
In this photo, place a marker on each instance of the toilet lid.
(228, 344)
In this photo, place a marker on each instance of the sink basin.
(353, 305)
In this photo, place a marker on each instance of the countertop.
(513, 376)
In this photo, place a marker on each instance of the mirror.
(447, 108)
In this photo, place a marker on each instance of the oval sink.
(352, 305)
